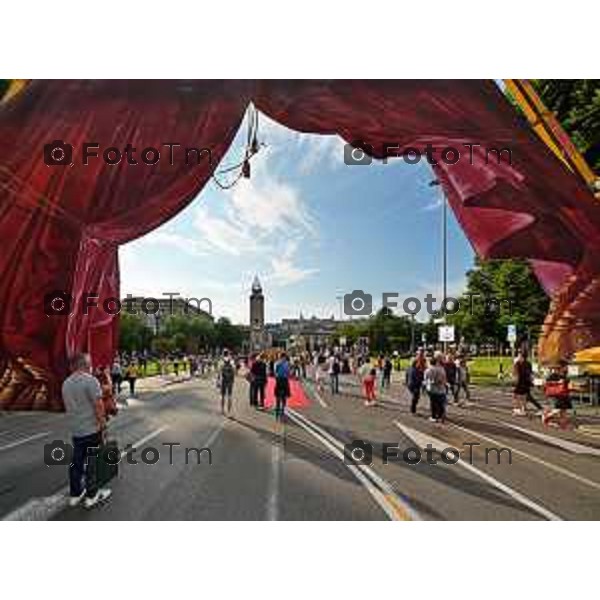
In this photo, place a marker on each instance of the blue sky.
(309, 225)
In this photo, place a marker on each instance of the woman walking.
(414, 379)
(282, 385)
(437, 388)
(131, 374)
(523, 377)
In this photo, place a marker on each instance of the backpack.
(335, 368)
(227, 371)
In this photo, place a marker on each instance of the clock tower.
(258, 335)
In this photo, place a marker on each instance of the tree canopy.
(499, 293)
(576, 104)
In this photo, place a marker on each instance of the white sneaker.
(101, 496)
(75, 500)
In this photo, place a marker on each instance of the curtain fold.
(60, 226)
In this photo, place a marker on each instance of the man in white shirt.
(82, 396)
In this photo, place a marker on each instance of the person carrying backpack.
(436, 385)
(226, 378)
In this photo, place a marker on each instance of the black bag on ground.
(107, 462)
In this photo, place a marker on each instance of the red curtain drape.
(61, 226)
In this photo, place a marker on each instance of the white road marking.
(317, 394)
(380, 490)
(43, 509)
(273, 494)
(422, 439)
(146, 438)
(214, 435)
(555, 441)
(24, 440)
(320, 399)
(546, 464)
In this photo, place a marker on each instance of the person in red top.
(557, 388)
(369, 387)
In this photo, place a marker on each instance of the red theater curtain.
(534, 208)
(61, 226)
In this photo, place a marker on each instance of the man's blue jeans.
(334, 380)
(84, 464)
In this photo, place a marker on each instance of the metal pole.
(445, 257)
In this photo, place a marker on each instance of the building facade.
(156, 311)
(304, 334)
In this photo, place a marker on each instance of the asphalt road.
(263, 470)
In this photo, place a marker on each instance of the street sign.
(511, 333)
(446, 333)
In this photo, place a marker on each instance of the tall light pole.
(435, 183)
(339, 297)
(445, 251)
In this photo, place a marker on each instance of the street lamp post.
(339, 298)
(435, 183)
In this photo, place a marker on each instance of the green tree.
(499, 293)
(228, 335)
(576, 104)
(189, 333)
(134, 333)
(4, 85)
(385, 330)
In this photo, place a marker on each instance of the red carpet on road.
(297, 399)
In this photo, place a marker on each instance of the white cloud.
(316, 150)
(284, 271)
(433, 205)
(177, 241)
(321, 151)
